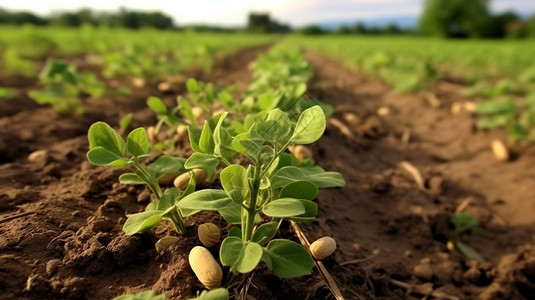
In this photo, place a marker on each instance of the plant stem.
(148, 179)
(250, 212)
(176, 219)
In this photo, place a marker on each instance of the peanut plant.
(107, 148)
(270, 188)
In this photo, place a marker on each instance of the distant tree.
(360, 28)
(262, 23)
(531, 26)
(343, 29)
(455, 18)
(20, 18)
(311, 30)
(500, 24)
(392, 28)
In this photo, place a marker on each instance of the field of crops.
(170, 164)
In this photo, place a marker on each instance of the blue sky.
(234, 12)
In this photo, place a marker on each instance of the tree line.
(122, 18)
(444, 18)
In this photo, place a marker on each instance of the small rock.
(472, 275)
(52, 266)
(383, 111)
(423, 272)
(435, 184)
(164, 87)
(40, 158)
(352, 119)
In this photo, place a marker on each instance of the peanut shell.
(323, 247)
(205, 267)
(209, 234)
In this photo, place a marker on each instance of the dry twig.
(414, 173)
(331, 284)
(16, 216)
(343, 128)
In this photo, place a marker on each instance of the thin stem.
(148, 179)
(176, 219)
(250, 212)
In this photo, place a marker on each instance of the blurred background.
(446, 18)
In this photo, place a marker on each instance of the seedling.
(516, 117)
(64, 87)
(464, 223)
(107, 148)
(7, 93)
(216, 294)
(270, 188)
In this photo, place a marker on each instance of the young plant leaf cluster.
(107, 148)
(254, 198)
(64, 86)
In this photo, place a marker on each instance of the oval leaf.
(101, 156)
(300, 190)
(142, 221)
(239, 255)
(265, 232)
(285, 207)
(102, 135)
(137, 142)
(310, 126)
(287, 259)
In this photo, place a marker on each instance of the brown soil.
(61, 217)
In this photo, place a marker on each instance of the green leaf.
(265, 232)
(299, 190)
(270, 131)
(194, 135)
(192, 86)
(311, 210)
(287, 259)
(125, 121)
(310, 126)
(231, 213)
(315, 175)
(234, 231)
(469, 251)
(493, 122)
(168, 199)
(285, 207)
(142, 221)
(240, 256)
(235, 182)
(130, 178)
(166, 164)
(101, 156)
(217, 294)
(495, 107)
(102, 135)
(206, 141)
(137, 142)
(157, 105)
(206, 162)
(146, 295)
(268, 101)
(208, 199)
(283, 121)
(226, 99)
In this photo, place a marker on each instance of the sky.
(234, 12)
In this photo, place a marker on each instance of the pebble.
(39, 158)
(52, 266)
(423, 272)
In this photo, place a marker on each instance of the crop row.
(268, 186)
(499, 75)
(141, 57)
